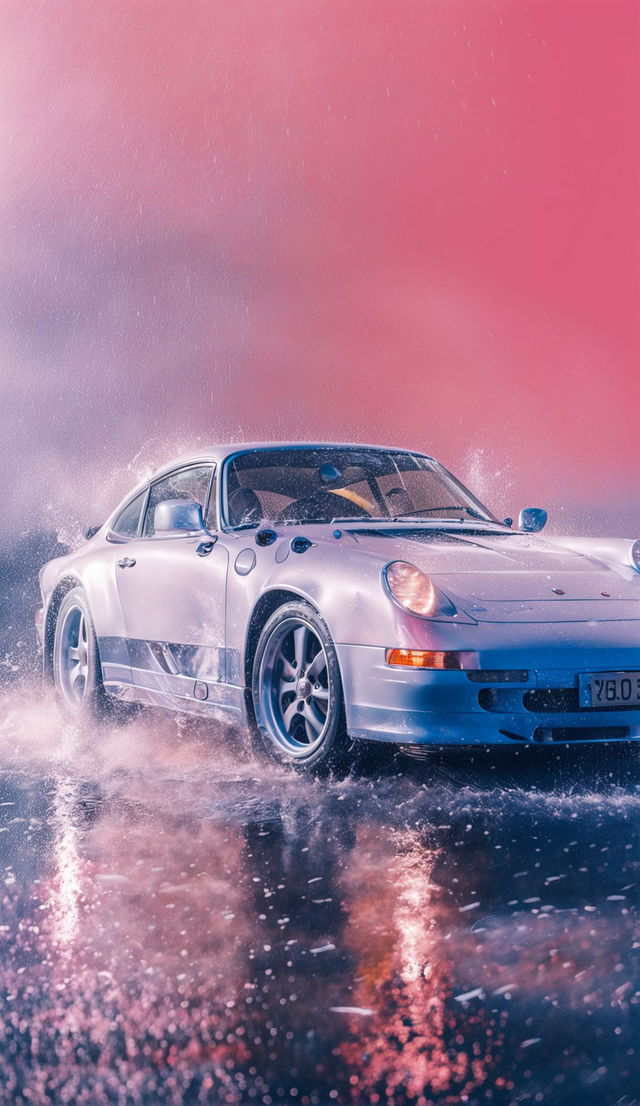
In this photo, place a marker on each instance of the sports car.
(319, 595)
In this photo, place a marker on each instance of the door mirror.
(178, 516)
(532, 519)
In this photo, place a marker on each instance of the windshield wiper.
(359, 518)
(448, 507)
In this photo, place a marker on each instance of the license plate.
(610, 689)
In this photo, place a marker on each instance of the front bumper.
(434, 707)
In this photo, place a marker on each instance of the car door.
(172, 593)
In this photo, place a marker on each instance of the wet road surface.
(182, 924)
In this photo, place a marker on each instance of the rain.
(413, 224)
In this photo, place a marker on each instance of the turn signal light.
(429, 658)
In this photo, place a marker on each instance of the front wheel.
(297, 691)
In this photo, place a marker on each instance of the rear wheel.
(76, 662)
(297, 691)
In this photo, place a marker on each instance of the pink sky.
(410, 222)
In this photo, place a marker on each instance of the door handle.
(205, 548)
(126, 562)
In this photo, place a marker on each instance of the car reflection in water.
(190, 933)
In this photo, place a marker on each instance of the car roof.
(221, 452)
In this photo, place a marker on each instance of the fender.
(615, 552)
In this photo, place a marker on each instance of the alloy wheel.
(73, 656)
(295, 687)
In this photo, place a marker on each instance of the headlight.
(635, 554)
(414, 591)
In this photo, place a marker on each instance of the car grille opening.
(551, 700)
(498, 676)
(543, 734)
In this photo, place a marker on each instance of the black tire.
(291, 724)
(77, 673)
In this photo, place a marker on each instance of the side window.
(126, 524)
(191, 483)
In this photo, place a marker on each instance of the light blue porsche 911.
(322, 594)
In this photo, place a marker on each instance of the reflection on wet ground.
(182, 924)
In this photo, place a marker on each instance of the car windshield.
(291, 485)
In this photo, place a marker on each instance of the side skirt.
(182, 678)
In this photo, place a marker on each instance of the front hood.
(480, 570)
